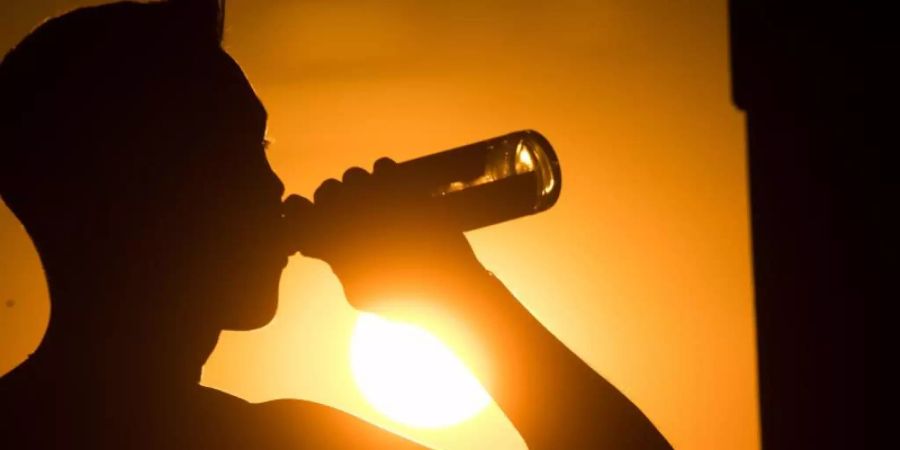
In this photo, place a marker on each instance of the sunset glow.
(412, 377)
(642, 268)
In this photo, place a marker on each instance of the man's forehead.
(241, 92)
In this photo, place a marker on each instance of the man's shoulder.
(208, 419)
(288, 423)
(309, 424)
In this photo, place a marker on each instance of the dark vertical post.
(812, 185)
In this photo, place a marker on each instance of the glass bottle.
(490, 181)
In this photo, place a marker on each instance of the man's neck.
(138, 356)
(114, 326)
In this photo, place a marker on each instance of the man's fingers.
(384, 166)
(295, 207)
(355, 176)
(327, 191)
(295, 202)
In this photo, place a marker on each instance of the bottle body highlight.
(490, 181)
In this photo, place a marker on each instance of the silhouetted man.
(133, 153)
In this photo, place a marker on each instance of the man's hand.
(386, 243)
(396, 251)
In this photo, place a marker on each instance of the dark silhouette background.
(798, 74)
(134, 157)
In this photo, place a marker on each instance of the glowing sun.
(410, 376)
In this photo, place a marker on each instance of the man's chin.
(253, 316)
(254, 298)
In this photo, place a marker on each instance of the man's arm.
(552, 397)
(298, 424)
(399, 255)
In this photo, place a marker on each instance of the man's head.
(132, 151)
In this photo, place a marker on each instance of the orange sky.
(642, 268)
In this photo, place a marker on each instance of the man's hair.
(89, 99)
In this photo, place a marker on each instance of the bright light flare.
(524, 161)
(412, 377)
